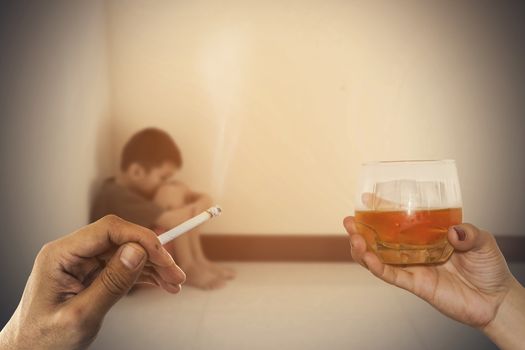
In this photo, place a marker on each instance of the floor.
(287, 306)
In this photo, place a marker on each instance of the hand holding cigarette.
(78, 278)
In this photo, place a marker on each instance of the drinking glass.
(404, 209)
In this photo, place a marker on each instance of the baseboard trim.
(328, 248)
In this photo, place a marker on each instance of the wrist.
(8, 338)
(506, 328)
(5, 339)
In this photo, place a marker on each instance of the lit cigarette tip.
(215, 211)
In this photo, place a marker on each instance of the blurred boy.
(143, 193)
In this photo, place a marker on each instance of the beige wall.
(276, 103)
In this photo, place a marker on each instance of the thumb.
(465, 237)
(113, 282)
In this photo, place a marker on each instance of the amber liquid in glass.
(408, 237)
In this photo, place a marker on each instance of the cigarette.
(189, 224)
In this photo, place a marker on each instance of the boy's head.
(149, 158)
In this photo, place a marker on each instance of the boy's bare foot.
(223, 272)
(200, 277)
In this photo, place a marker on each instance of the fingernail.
(131, 257)
(183, 276)
(176, 285)
(460, 232)
(365, 264)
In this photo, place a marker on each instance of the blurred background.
(274, 104)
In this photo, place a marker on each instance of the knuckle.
(114, 282)
(75, 325)
(111, 220)
(481, 234)
(471, 227)
(47, 247)
(471, 233)
(149, 236)
(46, 251)
(490, 237)
(72, 317)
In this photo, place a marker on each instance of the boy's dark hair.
(150, 148)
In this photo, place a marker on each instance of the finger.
(149, 275)
(390, 274)
(357, 242)
(465, 237)
(84, 269)
(167, 277)
(113, 282)
(169, 284)
(170, 276)
(358, 248)
(111, 231)
(350, 226)
(143, 279)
